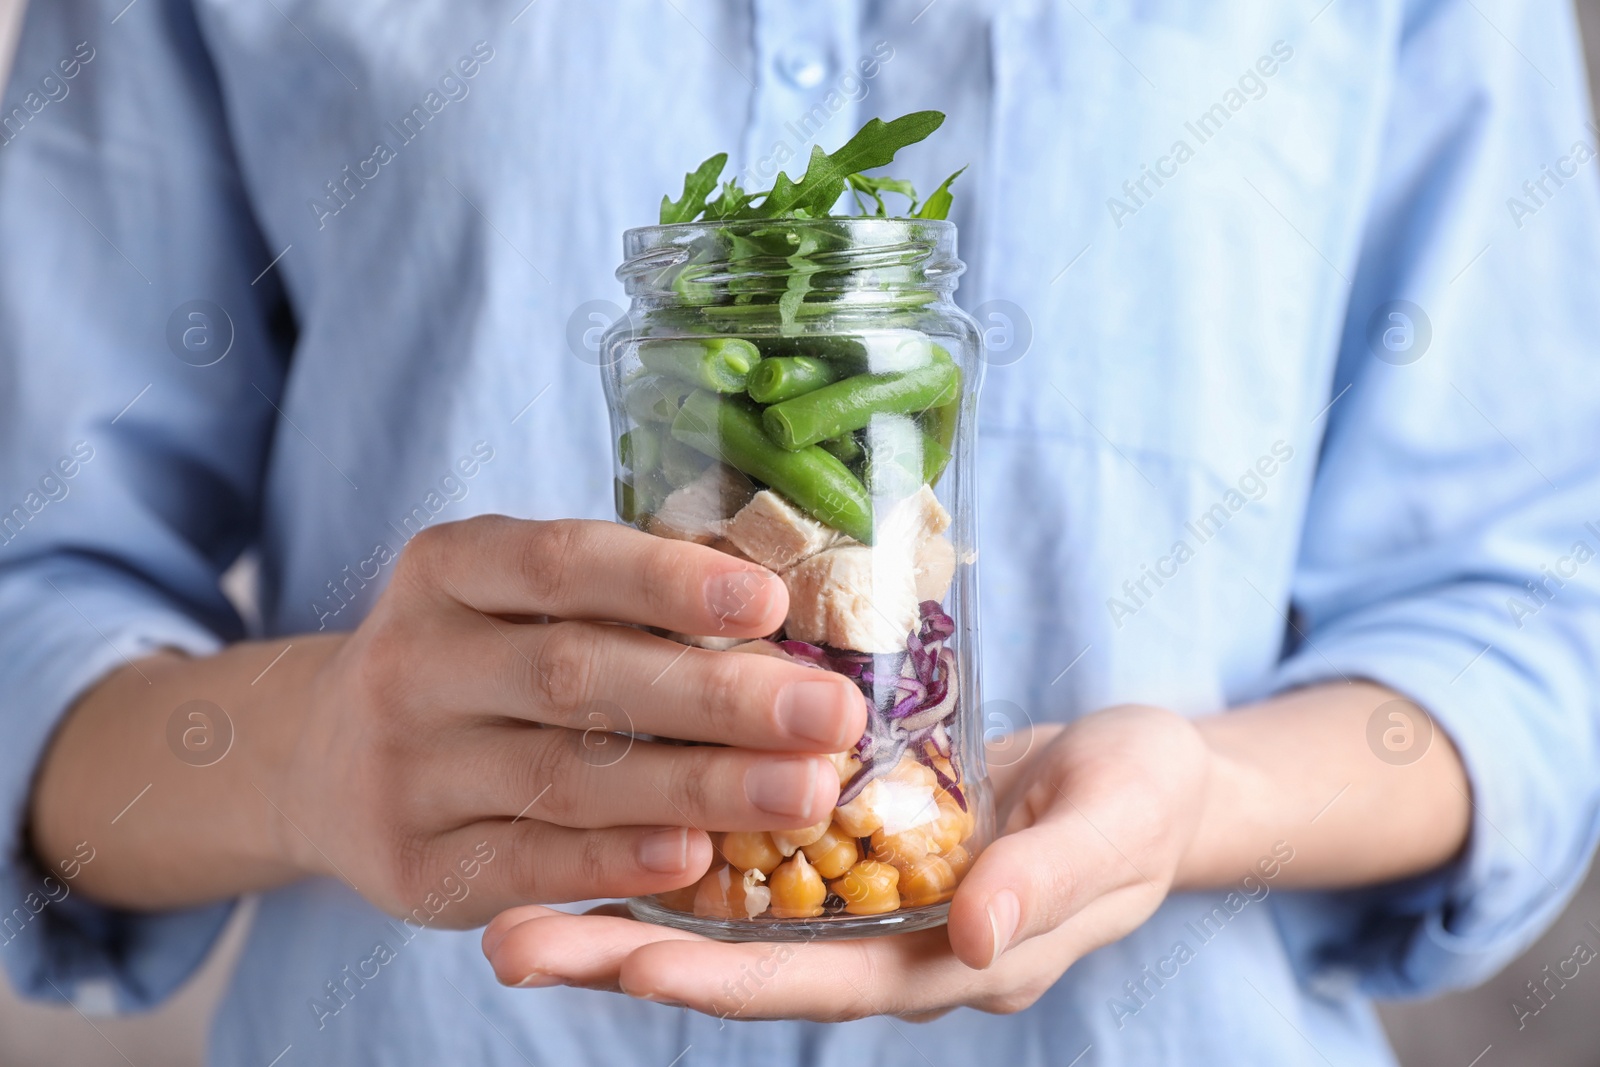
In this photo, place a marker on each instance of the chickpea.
(908, 783)
(726, 894)
(959, 860)
(965, 822)
(787, 841)
(679, 899)
(846, 763)
(833, 853)
(869, 888)
(939, 834)
(860, 817)
(751, 850)
(926, 880)
(797, 890)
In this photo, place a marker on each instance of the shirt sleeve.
(1452, 540)
(139, 366)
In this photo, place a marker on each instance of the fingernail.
(657, 998)
(782, 787)
(538, 980)
(808, 711)
(665, 851)
(733, 597)
(1004, 913)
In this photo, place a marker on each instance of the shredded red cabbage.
(910, 700)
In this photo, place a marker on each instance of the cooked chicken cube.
(853, 597)
(715, 644)
(936, 566)
(700, 511)
(913, 520)
(773, 533)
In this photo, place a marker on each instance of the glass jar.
(803, 394)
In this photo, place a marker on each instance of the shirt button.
(803, 70)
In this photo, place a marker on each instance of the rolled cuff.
(1521, 719)
(64, 625)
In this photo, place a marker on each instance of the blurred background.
(1476, 1028)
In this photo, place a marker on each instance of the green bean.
(870, 353)
(652, 398)
(640, 449)
(935, 458)
(627, 501)
(721, 364)
(639, 496)
(895, 457)
(941, 421)
(816, 482)
(790, 376)
(850, 404)
(845, 446)
(680, 463)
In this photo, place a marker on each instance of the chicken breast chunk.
(774, 533)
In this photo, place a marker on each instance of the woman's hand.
(1095, 820)
(457, 745)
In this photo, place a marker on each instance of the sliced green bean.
(721, 364)
(935, 458)
(850, 404)
(787, 377)
(640, 449)
(639, 496)
(652, 398)
(680, 463)
(895, 457)
(883, 352)
(940, 422)
(845, 446)
(816, 482)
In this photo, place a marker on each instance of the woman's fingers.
(576, 674)
(581, 950)
(469, 875)
(586, 569)
(912, 976)
(597, 678)
(1035, 879)
(582, 780)
(817, 980)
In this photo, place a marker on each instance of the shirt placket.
(802, 52)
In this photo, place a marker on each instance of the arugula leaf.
(729, 203)
(938, 205)
(798, 284)
(697, 185)
(825, 180)
(874, 145)
(876, 187)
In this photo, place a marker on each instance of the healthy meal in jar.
(798, 388)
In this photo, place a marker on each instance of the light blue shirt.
(1186, 225)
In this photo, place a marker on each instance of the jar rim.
(937, 226)
(915, 252)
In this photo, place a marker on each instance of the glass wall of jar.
(803, 394)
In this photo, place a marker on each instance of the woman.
(1304, 292)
